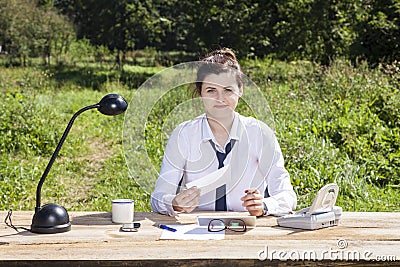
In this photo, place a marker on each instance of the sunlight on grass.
(338, 124)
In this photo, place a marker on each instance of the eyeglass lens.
(236, 225)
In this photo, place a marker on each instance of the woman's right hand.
(187, 200)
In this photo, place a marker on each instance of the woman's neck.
(221, 127)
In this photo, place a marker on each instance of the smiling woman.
(220, 95)
(256, 179)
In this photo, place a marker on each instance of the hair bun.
(227, 52)
(224, 56)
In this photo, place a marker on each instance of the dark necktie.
(220, 203)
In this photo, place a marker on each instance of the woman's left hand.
(253, 201)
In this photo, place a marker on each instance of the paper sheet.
(191, 232)
(212, 181)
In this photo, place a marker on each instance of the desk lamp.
(53, 218)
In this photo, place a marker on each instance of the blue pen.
(162, 226)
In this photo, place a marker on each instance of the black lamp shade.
(112, 104)
(51, 218)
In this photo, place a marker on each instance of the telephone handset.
(324, 200)
(322, 213)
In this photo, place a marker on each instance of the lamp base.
(50, 219)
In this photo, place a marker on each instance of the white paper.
(191, 232)
(211, 181)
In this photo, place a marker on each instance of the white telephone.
(321, 214)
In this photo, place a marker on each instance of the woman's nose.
(221, 96)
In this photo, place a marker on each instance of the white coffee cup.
(122, 210)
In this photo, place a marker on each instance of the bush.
(335, 124)
(24, 126)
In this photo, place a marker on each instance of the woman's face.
(220, 94)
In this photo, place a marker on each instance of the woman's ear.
(240, 91)
(199, 85)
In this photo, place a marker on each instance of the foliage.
(334, 125)
(28, 30)
(23, 127)
(315, 30)
(81, 49)
(119, 26)
(378, 28)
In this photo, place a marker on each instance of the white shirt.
(255, 161)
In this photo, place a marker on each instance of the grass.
(330, 131)
(338, 124)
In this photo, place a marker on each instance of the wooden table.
(362, 238)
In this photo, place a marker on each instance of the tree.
(318, 30)
(119, 25)
(378, 31)
(15, 29)
(29, 30)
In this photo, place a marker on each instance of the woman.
(246, 148)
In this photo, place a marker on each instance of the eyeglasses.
(236, 225)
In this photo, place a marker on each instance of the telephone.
(321, 214)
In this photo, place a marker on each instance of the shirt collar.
(207, 134)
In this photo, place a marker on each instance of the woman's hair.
(216, 62)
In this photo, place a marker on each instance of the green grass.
(338, 124)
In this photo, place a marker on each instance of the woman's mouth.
(220, 106)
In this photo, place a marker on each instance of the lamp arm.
(55, 153)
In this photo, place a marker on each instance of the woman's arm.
(171, 172)
(280, 197)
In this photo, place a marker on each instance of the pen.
(162, 226)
